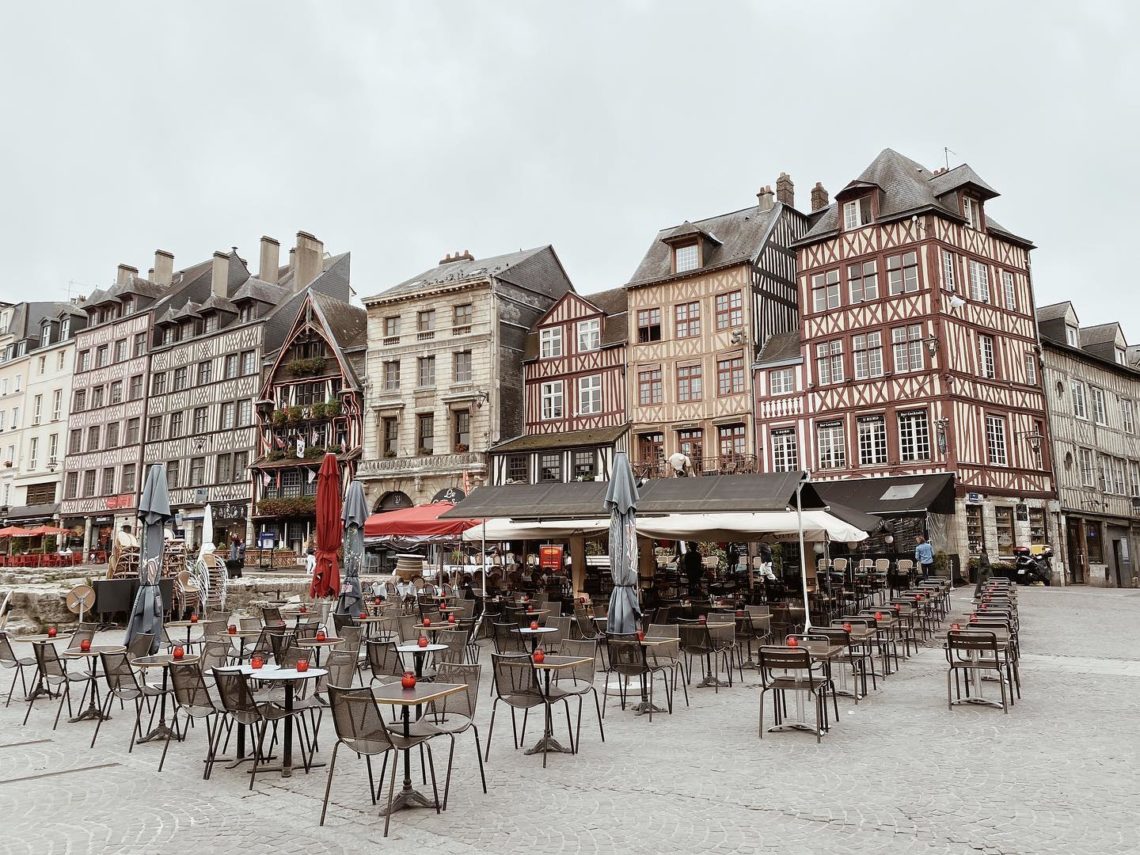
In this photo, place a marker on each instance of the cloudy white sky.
(404, 130)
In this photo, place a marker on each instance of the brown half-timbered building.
(919, 354)
(574, 377)
(704, 300)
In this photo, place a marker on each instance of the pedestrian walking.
(985, 572)
(924, 556)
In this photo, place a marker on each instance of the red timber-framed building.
(574, 377)
(917, 354)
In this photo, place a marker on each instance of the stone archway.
(393, 500)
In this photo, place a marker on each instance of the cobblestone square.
(899, 773)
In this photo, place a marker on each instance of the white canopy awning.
(504, 529)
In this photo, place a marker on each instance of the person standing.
(694, 569)
(985, 572)
(310, 561)
(924, 556)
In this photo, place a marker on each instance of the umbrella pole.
(803, 556)
(483, 555)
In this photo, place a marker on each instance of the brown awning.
(904, 494)
(578, 500)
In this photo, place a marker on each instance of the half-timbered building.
(702, 303)
(445, 354)
(1093, 391)
(574, 378)
(311, 403)
(918, 355)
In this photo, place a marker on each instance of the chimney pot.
(220, 274)
(125, 273)
(765, 198)
(270, 260)
(163, 267)
(819, 198)
(786, 190)
(310, 257)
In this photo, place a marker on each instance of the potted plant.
(318, 411)
(294, 415)
(460, 447)
(332, 409)
(279, 418)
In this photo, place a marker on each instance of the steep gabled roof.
(613, 304)
(1101, 334)
(780, 348)
(455, 272)
(1055, 311)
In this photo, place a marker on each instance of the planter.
(293, 415)
(279, 418)
(295, 507)
(332, 409)
(306, 367)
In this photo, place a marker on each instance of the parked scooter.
(1033, 568)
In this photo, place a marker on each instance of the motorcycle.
(1032, 568)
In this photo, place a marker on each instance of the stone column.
(578, 562)
(86, 537)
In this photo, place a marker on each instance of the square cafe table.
(548, 743)
(420, 694)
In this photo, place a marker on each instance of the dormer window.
(128, 305)
(65, 329)
(857, 213)
(589, 334)
(212, 322)
(972, 211)
(1072, 336)
(550, 342)
(686, 258)
(1121, 356)
(45, 336)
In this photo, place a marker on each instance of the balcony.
(734, 464)
(423, 464)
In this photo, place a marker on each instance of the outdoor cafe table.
(648, 643)
(40, 688)
(534, 634)
(374, 622)
(548, 666)
(1002, 636)
(92, 653)
(420, 694)
(419, 654)
(317, 644)
(161, 660)
(182, 624)
(288, 676)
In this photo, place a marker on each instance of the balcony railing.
(733, 464)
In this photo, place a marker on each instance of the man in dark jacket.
(694, 569)
(985, 572)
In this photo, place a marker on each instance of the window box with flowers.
(294, 415)
(298, 506)
(279, 418)
(306, 367)
(332, 409)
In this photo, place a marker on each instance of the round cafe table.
(535, 634)
(182, 624)
(41, 688)
(290, 677)
(316, 645)
(161, 660)
(92, 653)
(419, 654)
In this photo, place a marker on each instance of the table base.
(548, 744)
(286, 772)
(407, 798)
(711, 682)
(977, 701)
(40, 692)
(162, 731)
(646, 707)
(92, 713)
(794, 725)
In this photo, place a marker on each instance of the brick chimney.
(309, 260)
(459, 256)
(270, 260)
(765, 198)
(819, 198)
(786, 190)
(163, 267)
(220, 275)
(125, 273)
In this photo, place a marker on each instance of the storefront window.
(1003, 517)
(1037, 526)
(1095, 543)
(975, 534)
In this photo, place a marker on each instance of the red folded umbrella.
(326, 578)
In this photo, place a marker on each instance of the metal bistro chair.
(124, 685)
(9, 659)
(581, 680)
(453, 715)
(384, 662)
(53, 671)
(975, 652)
(192, 699)
(628, 659)
(790, 669)
(517, 686)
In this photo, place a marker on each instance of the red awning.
(420, 521)
(16, 531)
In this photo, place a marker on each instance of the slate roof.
(1100, 334)
(261, 291)
(566, 439)
(454, 272)
(781, 347)
(1054, 311)
(738, 238)
(218, 304)
(613, 304)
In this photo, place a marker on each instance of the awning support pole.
(803, 555)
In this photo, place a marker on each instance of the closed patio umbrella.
(621, 502)
(207, 528)
(354, 515)
(326, 578)
(154, 512)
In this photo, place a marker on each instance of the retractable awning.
(903, 494)
(419, 521)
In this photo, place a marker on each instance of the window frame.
(687, 319)
(550, 343)
(552, 400)
(831, 445)
(729, 309)
(997, 446)
(649, 325)
(872, 440)
(588, 334)
(590, 394)
(913, 435)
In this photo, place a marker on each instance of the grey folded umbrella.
(621, 501)
(354, 513)
(154, 512)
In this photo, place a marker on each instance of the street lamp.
(1034, 438)
(932, 345)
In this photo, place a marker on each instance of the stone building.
(1093, 389)
(445, 354)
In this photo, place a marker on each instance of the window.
(71, 485)
(1120, 473)
(649, 389)
(832, 446)
(230, 366)
(460, 431)
(1009, 292)
(551, 400)
(825, 290)
(690, 442)
(93, 438)
(229, 414)
(686, 258)
(172, 473)
(133, 431)
(857, 213)
(111, 440)
(461, 319)
(462, 366)
(425, 325)
(648, 325)
(1120, 353)
(1088, 471)
(781, 381)
(116, 392)
(120, 350)
(1031, 369)
(80, 400)
(872, 440)
(222, 469)
(689, 383)
(550, 467)
(995, 441)
(108, 487)
(731, 441)
(972, 211)
(425, 371)
(1003, 523)
(1100, 413)
(59, 360)
(730, 376)
(37, 409)
(97, 397)
(205, 372)
(585, 468)
(101, 354)
(168, 335)
(158, 383)
(85, 360)
(89, 483)
(425, 433)
(947, 270)
(518, 468)
(1134, 478)
(176, 427)
(1094, 544)
(550, 342)
(902, 273)
(979, 281)
(136, 388)
(914, 436)
(197, 471)
(651, 448)
(248, 363)
(863, 281)
(241, 461)
(1127, 418)
(829, 362)
(392, 330)
(687, 318)
(1080, 408)
(868, 354)
(74, 440)
(729, 310)
(784, 454)
(34, 454)
(986, 356)
(589, 395)
(45, 337)
(201, 424)
(906, 346)
(180, 378)
(392, 375)
(389, 435)
(589, 334)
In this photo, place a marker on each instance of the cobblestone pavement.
(899, 773)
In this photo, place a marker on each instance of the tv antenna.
(946, 152)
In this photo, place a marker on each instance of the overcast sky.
(402, 131)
